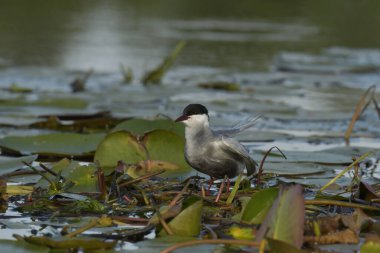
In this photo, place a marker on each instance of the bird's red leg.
(209, 186)
(220, 190)
(228, 185)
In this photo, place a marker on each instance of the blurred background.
(243, 35)
(304, 64)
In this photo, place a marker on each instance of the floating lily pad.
(156, 150)
(293, 169)
(21, 247)
(166, 146)
(315, 157)
(59, 144)
(9, 164)
(118, 146)
(70, 243)
(142, 126)
(83, 176)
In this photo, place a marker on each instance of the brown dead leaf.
(346, 236)
(356, 221)
(366, 192)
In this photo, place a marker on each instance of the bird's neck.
(197, 132)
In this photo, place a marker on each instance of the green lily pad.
(70, 243)
(118, 146)
(83, 176)
(9, 164)
(166, 146)
(293, 169)
(21, 247)
(187, 222)
(142, 126)
(156, 150)
(315, 157)
(258, 206)
(60, 144)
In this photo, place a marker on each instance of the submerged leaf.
(220, 86)
(285, 220)
(156, 75)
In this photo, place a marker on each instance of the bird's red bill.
(181, 118)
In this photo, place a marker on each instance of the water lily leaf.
(9, 164)
(78, 125)
(21, 247)
(70, 243)
(157, 150)
(315, 157)
(187, 222)
(59, 144)
(163, 145)
(118, 146)
(277, 246)
(142, 126)
(258, 206)
(83, 176)
(285, 220)
(292, 169)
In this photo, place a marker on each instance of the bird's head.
(194, 115)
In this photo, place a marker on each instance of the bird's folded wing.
(238, 151)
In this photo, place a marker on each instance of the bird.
(214, 152)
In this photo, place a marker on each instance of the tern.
(214, 152)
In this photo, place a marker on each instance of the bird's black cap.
(192, 109)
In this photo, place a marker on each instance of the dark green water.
(235, 35)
